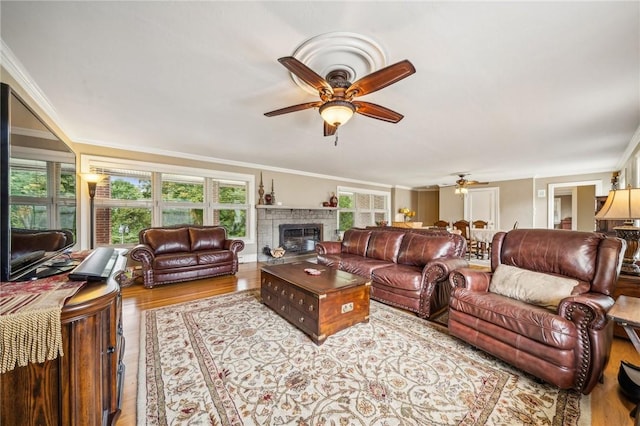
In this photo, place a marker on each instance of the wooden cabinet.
(629, 285)
(83, 386)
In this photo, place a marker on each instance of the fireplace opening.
(300, 238)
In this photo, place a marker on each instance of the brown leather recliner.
(509, 311)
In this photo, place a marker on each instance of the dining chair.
(463, 227)
(441, 224)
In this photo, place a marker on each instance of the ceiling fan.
(336, 104)
(462, 184)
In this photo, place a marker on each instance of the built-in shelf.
(270, 206)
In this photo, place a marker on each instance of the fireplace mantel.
(266, 206)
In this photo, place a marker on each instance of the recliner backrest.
(419, 249)
(575, 254)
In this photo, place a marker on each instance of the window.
(361, 208)
(135, 195)
(42, 194)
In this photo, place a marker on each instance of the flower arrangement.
(408, 214)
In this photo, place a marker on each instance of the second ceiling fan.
(462, 184)
(336, 104)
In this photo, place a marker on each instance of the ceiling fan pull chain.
(335, 143)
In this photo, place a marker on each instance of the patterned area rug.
(229, 360)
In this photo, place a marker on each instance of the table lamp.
(624, 204)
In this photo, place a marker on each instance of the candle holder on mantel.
(273, 194)
(260, 192)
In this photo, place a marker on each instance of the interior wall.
(428, 206)
(586, 208)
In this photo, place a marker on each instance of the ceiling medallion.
(356, 54)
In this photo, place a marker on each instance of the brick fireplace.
(297, 229)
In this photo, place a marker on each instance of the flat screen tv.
(37, 193)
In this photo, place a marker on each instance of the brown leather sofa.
(184, 253)
(543, 306)
(26, 242)
(409, 268)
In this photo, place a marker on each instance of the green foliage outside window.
(131, 219)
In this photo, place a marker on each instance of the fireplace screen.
(300, 238)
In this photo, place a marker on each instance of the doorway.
(578, 221)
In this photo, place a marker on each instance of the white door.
(483, 204)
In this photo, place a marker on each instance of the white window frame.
(94, 162)
(356, 210)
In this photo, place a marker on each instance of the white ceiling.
(503, 90)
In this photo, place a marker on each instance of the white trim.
(87, 161)
(43, 154)
(19, 73)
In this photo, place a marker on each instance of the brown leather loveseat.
(543, 307)
(184, 253)
(408, 268)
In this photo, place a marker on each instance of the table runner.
(30, 323)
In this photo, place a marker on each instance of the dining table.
(482, 237)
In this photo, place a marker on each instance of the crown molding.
(17, 71)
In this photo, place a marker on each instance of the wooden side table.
(626, 312)
(628, 285)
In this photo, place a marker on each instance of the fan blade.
(293, 108)
(329, 130)
(381, 78)
(306, 74)
(377, 111)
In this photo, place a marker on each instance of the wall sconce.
(92, 180)
(624, 204)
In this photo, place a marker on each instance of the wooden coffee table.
(319, 305)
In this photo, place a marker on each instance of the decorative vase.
(333, 201)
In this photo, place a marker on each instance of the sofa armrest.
(234, 245)
(593, 308)
(329, 247)
(471, 279)
(143, 254)
(434, 277)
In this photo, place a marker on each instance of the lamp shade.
(337, 113)
(92, 177)
(621, 204)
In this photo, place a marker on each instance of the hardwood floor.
(609, 407)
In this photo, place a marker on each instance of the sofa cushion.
(175, 260)
(384, 245)
(207, 238)
(419, 249)
(361, 265)
(531, 287)
(534, 322)
(405, 277)
(214, 256)
(355, 241)
(165, 240)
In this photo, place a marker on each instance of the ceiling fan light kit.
(336, 113)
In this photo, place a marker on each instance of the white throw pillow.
(532, 287)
